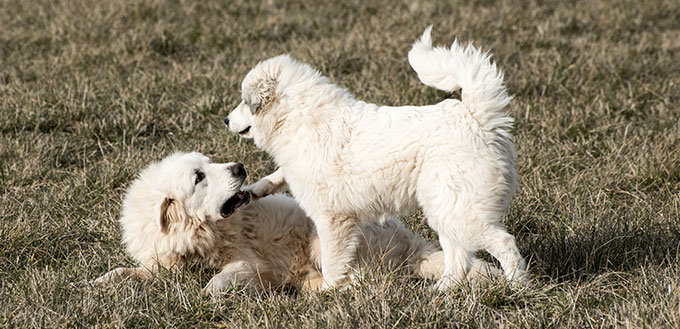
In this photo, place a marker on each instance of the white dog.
(186, 209)
(349, 162)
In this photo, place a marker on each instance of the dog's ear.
(170, 212)
(261, 95)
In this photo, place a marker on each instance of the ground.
(91, 91)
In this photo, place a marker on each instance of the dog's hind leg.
(457, 262)
(338, 238)
(313, 281)
(448, 215)
(501, 245)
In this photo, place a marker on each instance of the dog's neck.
(211, 244)
(321, 130)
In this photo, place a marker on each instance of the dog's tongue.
(242, 195)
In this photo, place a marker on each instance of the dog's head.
(174, 199)
(268, 95)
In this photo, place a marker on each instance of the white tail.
(468, 69)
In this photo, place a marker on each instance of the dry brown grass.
(91, 91)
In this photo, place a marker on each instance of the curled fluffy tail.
(469, 69)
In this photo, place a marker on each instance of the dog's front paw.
(253, 190)
(271, 184)
(260, 189)
(120, 274)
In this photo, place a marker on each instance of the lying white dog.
(347, 161)
(186, 209)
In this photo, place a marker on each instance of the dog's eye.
(199, 176)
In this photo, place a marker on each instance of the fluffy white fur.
(186, 209)
(347, 161)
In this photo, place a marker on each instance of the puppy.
(348, 162)
(185, 209)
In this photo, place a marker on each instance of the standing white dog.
(347, 161)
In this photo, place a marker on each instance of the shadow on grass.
(595, 250)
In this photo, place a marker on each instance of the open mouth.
(237, 201)
(244, 131)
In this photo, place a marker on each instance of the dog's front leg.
(239, 272)
(338, 237)
(122, 273)
(274, 183)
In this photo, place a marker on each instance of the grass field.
(91, 91)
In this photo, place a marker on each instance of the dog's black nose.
(238, 170)
(226, 121)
